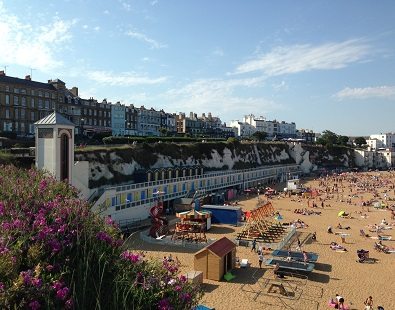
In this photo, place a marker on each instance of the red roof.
(221, 247)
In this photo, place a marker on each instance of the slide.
(159, 224)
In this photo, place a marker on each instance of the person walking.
(253, 245)
(260, 260)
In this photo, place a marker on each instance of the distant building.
(118, 112)
(384, 140)
(306, 135)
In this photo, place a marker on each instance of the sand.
(334, 273)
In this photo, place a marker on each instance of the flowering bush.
(56, 254)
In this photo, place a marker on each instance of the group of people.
(306, 212)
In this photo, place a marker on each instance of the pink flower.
(134, 258)
(43, 185)
(37, 282)
(26, 275)
(62, 293)
(57, 285)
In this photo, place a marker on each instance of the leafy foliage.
(56, 254)
(360, 141)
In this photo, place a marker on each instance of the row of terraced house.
(24, 101)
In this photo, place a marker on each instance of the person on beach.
(260, 260)
(305, 258)
(253, 245)
(369, 303)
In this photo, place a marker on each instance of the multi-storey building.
(168, 123)
(118, 119)
(23, 102)
(307, 135)
(383, 140)
(95, 116)
(131, 115)
(244, 130)
(149, 121)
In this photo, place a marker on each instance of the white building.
(244, 130)
(383, 140)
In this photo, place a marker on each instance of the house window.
(7, 99)
(7, 113)
(32, 103)
(24, 101)
(16, 100)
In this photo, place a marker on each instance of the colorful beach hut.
(216, 259)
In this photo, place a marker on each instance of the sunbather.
(335, 246)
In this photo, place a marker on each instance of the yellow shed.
(216, 259)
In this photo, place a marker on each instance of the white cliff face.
(301, 157)
(105, 167)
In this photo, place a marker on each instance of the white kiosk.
(55, 146)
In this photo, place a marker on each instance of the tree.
(342, 140)
(259, 135)
(360, 141)
(328, 138)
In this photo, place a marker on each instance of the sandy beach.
(334, 273)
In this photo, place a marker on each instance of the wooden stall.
(216, 259)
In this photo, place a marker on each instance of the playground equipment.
(260, 226)
(159, 223)
(192, 226)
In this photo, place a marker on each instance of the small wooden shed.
(216, 259)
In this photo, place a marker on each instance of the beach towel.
(229, 276)
(332, 304)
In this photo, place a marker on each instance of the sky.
(325, 65)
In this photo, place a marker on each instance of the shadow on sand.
(208, 287)
(215, 229)
(319, 277)
(323, 267)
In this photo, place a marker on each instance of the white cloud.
(142, 37)
(218, 96)
(123, 79)
(29, 45)
(85, 27)
(106, 12)
(155, 2)
(299, 58)
(218, 52)
(384, 92)
(280, 86)
(126, 5)
(97, 28)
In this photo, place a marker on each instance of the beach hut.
(216, 259)
(224, 214)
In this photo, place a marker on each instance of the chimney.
(28, 78)
(74, 91)
(2, 73)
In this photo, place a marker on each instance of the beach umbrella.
(377, 204)
(341, 213)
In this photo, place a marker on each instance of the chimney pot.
(2, 73)
(27, 77)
